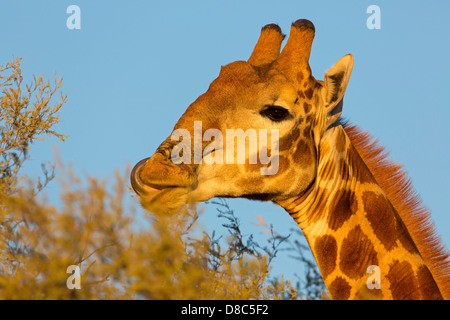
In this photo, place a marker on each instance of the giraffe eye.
(275, 113)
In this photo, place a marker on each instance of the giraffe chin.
(165, 201)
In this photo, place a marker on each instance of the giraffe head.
(273, 103)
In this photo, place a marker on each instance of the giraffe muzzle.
(156, 173)
(138, 186)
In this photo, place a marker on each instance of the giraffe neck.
(361, 245)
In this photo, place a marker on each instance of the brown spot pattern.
(295, 134)
(303, 154)
(287, 142)
(403, 283)
(301, 94)
(382, 218)
(339, 289)
(362, 172)
(406, 240)
(385, 222)
(309, 119)
(326, 253)
(427, 285)
(357, 253)
(309, 93)
(344, 207)
(307, 107)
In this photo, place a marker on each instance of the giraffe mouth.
(162, 188)
(157, 173)
(137, 184)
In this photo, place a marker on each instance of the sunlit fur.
(394, 181)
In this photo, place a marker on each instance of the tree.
(24, 116)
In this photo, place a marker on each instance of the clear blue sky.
(134, 67)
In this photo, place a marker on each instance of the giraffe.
(356, 208)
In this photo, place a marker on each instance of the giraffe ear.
(335, 83)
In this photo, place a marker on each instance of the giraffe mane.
(393, 179)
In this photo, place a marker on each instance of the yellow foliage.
(94, 230)
(25, 114)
